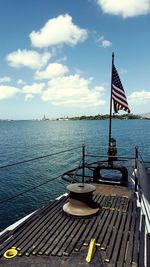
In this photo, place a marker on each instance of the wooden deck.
(51, 238)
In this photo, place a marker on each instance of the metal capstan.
(80, 200)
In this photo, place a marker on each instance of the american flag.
(118, 93)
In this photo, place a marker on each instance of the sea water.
(23, 140)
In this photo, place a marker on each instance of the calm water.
(21, 140)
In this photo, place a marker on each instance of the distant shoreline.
(129, 116)
(78, 118)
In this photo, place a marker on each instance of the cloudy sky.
(55, 56)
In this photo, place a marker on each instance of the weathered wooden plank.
(103, 228)
(46, 238)
(90, 223)
(102, 219)
(27, 222)
(99, 198)
(117, 207)
(57, 234)
(125, 237)
(64, 238)
(4, 236)
(35, 221)
(94, 233)
(130, 242)
(71, 233)
(109, 230)
(114, 202)
(51, 240)
(100, 201)
(136, 238)
(96, 196)
(39, 226)
(38, 234)
(17, 239)
(75, 238)
(134, 204)
(118, 239)
(113, 238)
(106, 202)
(110, 202)
(124, 204)
(62, 235)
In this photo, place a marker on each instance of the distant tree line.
(129, 116)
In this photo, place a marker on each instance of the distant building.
(44, 118)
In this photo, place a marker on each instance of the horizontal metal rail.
(37, 158)
(106, 156)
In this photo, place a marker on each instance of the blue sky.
(55, 56)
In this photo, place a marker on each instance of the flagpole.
(110, 116)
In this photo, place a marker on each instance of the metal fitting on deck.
(10, 253)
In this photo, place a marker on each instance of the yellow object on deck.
(10, 253)
(91, 251)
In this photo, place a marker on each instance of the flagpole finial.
(113, 55)
(113, 58)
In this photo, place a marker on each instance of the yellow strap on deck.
(91, 250)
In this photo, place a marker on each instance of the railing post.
(83, 162)
(136, 156)
(135, 168)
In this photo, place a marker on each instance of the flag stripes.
(118, 93)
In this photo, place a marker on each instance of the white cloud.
(8, 91)
(5, 79)
(104, 43)
(139, 98)
(28, 58)
(56, 31)
(52, 71)
(80, 72)
(125, 8)
(21, 82)
(35, 88)
(73, 91)
(29, 97)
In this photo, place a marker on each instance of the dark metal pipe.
(83, 163)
